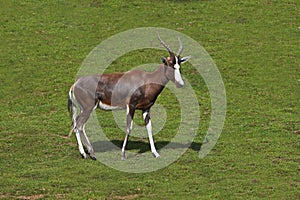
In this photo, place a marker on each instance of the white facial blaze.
(177, 74)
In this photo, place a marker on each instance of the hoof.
(123, 156)
(83, 156)
(156, 155)
(93, 157)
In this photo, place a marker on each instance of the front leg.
(147, 119)
(129, 120)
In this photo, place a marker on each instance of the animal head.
(172, 63)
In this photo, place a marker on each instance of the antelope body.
(135, 89)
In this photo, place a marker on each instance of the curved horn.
(180, 47)
(165, 45)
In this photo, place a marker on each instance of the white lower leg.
(88, 144)
(74, 110)
(129, 122)
(73, 120)
(80, 146)
(74, 115)
(124, 146)
(125, 140)
(71, 131)
(149, 130)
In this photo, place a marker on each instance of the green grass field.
(255, 45)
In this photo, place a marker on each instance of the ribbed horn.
(165, 45)
(180, 47)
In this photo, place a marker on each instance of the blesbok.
(130, 90)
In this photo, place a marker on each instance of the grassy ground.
(255, 45)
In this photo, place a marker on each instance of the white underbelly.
(108, 107)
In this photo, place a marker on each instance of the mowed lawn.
(255, 45)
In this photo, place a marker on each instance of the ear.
(184, 59)
(164, 60)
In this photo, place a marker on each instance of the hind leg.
(88, 144)
(80, 146)
(129, 121)
(147, 119)
(74, 114)
(82, 119)
(74, 126)
(83, 96)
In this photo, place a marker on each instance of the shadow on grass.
(105, 146)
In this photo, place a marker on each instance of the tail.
(70, 103)
(72, 110)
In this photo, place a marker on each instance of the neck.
(160, 76)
